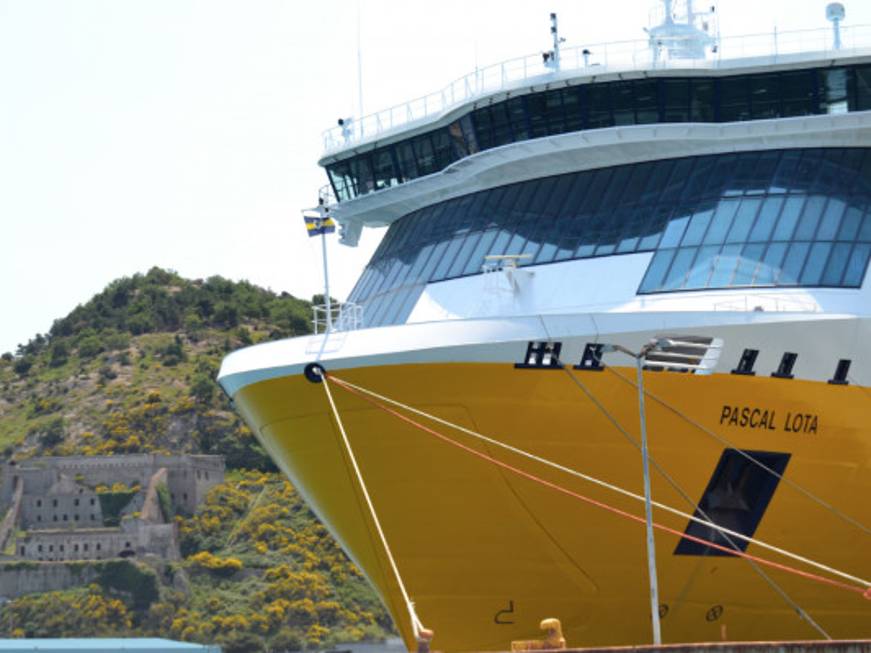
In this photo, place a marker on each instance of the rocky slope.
(132, 370)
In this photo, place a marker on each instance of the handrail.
(346, 316)
(598, 59)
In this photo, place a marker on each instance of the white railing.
(763, 302)
(599, 58)
(343, 317)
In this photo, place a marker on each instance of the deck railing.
(346, 316)
(599, 59)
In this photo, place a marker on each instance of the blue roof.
(73, 645)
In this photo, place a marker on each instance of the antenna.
(835, 13)
(359, 59)
(551, 59)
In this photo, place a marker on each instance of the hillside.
(132, 370)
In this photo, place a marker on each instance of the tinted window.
(762, 227)
(606, 104)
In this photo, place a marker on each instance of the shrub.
(124, 576)
(58, 354)
(164, 498)
(202, 388)
(89, 347)
(215, 564)
(112, 502)
(49, 434)
(22, 365)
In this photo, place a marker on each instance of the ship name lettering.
(800, 423)
(766, 418)
(748, 417)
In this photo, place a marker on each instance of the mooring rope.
(416, 624)
(862, 591)
(800, 612)
(363, 392)
(723, 440)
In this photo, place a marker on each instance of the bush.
(241, 642)
(286, 640)
(173, 353)
(49, 434)
(90, 347)
(164, 498)
(112, 502)
(58, 354)
(124, 576)
(215, 564)
(22, 365)
(202, 388)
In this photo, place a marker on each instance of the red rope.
(866, 593)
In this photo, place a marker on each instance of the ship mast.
(683, 33)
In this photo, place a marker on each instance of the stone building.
(189, 478)
(133, 538)
(68, 510)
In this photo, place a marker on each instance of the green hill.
(132, 370)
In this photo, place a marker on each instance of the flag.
(319, 225)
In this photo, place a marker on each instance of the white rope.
(801, 612)
(416, 625)
(610, 486)
(723, 440)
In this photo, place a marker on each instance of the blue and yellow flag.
(317, 225)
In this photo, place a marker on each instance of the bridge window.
(773, 219)
(598, 105)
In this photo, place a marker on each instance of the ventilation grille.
(697, 354)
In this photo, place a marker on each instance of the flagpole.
(327, 284)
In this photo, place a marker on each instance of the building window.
(54, 503)
(39, 503)
(50, 548)
(39, 518)
(75, 502)
(65, 517)
(98, 546)
(61, 547)
(21, 551)
(54, 517)
(85, 546)
(75, 547)
(39, 548)
(76, 517)
(93, 501)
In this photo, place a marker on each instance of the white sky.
(185, 134)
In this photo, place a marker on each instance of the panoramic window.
(754, 219)
(606, 104)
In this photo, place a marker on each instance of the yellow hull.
(486, 554)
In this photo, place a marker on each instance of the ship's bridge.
(592, 88)
(666, 182)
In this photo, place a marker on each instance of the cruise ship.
(684, 219)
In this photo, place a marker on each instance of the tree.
(59, 353)
(22, 365)
(202, 388)
(89, 347)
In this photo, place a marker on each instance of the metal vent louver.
(697, 354)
